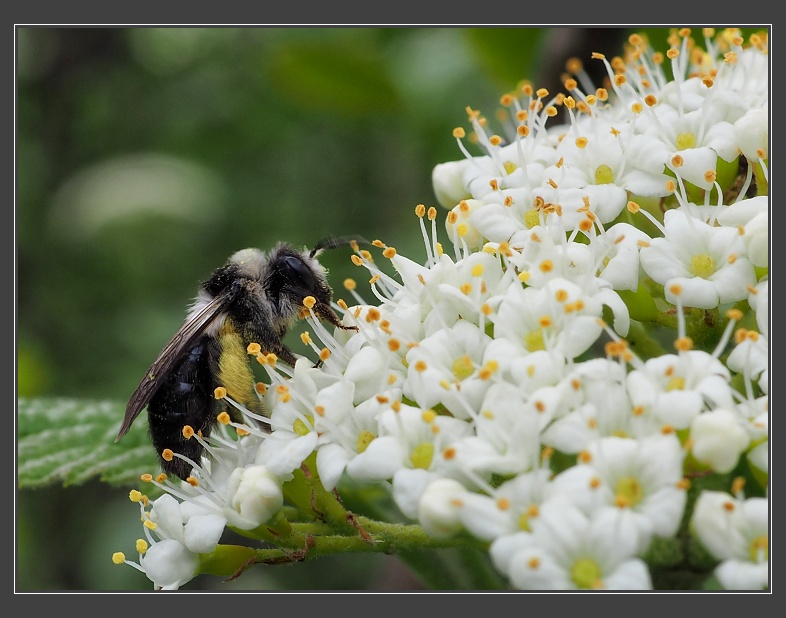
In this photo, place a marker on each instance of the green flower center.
(604, 175)
(686, 140)
(702, 265)
(628, 491)
(301, 428)
(676, 383)
(364, 439)
(462, 367)
(422, 455)
(534, 340)
(531, 218)
(586, 573)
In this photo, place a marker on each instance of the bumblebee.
(256, 296)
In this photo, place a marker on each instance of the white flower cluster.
(485, 388)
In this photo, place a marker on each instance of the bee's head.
(298, 275)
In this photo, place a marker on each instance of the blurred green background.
(146, 156)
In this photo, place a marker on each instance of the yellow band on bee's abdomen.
(234, 369)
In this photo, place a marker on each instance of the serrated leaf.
(71, 441)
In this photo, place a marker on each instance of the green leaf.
(71, 441)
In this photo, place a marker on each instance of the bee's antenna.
(335, 242)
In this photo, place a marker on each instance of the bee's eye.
(294, 268)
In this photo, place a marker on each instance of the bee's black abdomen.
(185, 398)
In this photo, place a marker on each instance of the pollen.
(187, 431)
(224, 418)
(421, 366)
(324, 354)
(582, 142)
(459, 133)
(633, 207)
(309, 302)
(192, 481)
(503, 504)
(585, 457)
(118, 557)
(428, 415)
(253, 349)
(167, 454)
(146, 478)
(683, 344)
(389, 253)
(546, 266)
(161, 478)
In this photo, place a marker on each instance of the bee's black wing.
(180, 343)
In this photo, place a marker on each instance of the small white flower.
(674, 388)
(708, 263)
(642, 478)
(169, 564)
(558, 317)
(439, 508)
(719, 439)
(447, 180)
(254, 495)
(735, 532)
(618, 253)
(444, 369)
(570, 550)
(511, 507)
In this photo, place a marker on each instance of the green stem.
(642, 343)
